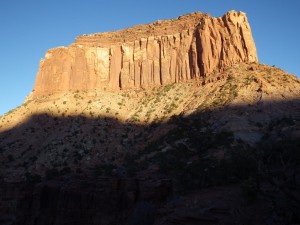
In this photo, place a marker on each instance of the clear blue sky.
(29, 27)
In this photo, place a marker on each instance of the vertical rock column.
(225, 41)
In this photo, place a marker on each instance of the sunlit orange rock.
(148, 55)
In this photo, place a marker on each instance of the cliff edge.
(163, 52)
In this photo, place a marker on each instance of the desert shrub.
(194, 175)
(239, 164)
(279, 161)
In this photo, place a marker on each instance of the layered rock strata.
(148, 55)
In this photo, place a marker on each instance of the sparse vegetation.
(159, 132)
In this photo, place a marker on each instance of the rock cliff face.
(79, 200)
(155, 54)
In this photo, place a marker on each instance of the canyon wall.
(160, 53)
(80, 200)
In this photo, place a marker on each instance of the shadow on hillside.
(88, 163)
(74, 142)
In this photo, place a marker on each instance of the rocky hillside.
(81, 129)
(211, 138)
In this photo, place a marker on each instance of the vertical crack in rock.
(199, 51)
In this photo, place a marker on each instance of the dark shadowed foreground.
(196, 169)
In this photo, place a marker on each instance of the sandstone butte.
(163, 52)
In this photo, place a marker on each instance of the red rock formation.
(148, 55)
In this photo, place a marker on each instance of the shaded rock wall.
(148, 55)
(78, 200)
